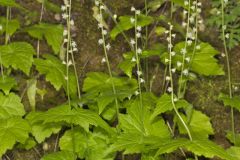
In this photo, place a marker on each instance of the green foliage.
(230, 102)
(56, 73)
(50, 6)
(10, 106)
(229, 136)
(61, 155)
(98, 86)
(45, 30)
(125, 24)
(7, 83)
(9, 3)
(200, 147)
(18, 55)
(12, 130)
(77, 116)
(89, 146)
(10, 26)
(203, 61)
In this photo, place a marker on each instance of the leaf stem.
(228, 70)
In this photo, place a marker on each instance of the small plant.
(111, 116)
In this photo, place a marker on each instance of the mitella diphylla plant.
(112, 115)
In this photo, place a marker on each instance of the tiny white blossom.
(133, 59)
(132, 41)
(64, 16)
(70, 63)
(227, 35)
(63, 62)
(173, 53)
(75, 49)
(115, 16)
(136, 93)
(185, 72)
(166, 32)
(223, 54)
(183, 51)
(166, 60)
(173, 35)
(139, 28)
(186, 3)
(139, 50)
(175, 99)
(139, 73)
(103, 60)
(142, 80)
(102, 7)
(66, 77)
(187, 59)
(168, 78)
(198, 47)
(132, 20)
(65, 32)
(199, 4)
(170, 46)
(100, 41)
(189, 42)
(184, 24)
(169, 89)
(65, 40)
(72, 22)
(104, 32)
(179, 64)
(173, 70)
(63, 8)
(74, 44)
(138, 35)
(108, 46)
(100, 25)
(133, 9)
(138, 12)
(97, 3)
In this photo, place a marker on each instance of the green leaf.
(18, 55)
(10, 106)
(234, 152)
(55, 73)
(125, 24)
(91, 146)
(60, 155)
(155, 5)
(12, 130)
(47, 31)
(200, 147)
(7, 83)
(77, 116)
(29, 143)
(203, 61)
(39, 130)
(232, 102)
(231, 139)
(50, 6)
(198, 123)
(9, 3)
(138, 130)
(11, 28)
(99, 87)
(160, 30)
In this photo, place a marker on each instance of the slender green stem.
(40, 20)
(185, 48)
(110, 71)
(224, 26)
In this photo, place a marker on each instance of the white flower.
(75, 49)
(199, 4)
(166, 60)
(173, 35)
(64, 16)
(138, 12)
(198, 47)
(65, 40)
(186, 3)
(193, 8)
(104, 32)
(72, 22)
(187, 59)
(139, 28)
(74, 44)
(173, 53)
(63, 62)
(108, 46)
(184, 24)
(168, 39)
(70, 63)
(97, 3)
(169, 89)
(168, 78)
(139, 50)
(223, 54)
(189, 42)
(102, 7)
(132, 20)
(65, 32)
(175, 99)
(166, 32)
(139, 73)
(179, 64)
(199, 10)
(138, 35)
(200, 21)
(173, 70)
(103, 60)
(185, 72)
(100, 41)
(100, 25)
(227, 35)
(132, 42)
(136, 93)
(183, 51)
(185, 12)
(133, 59)
(66, 77)
(170, 46)
(142, 80)
(63, 8)
(115, 16)
(225, 1)
(133, 9)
